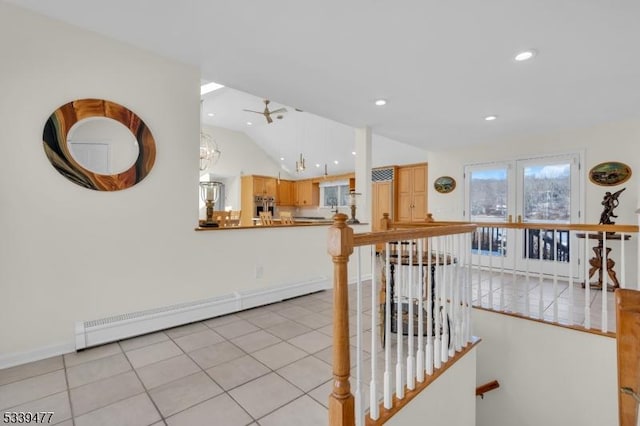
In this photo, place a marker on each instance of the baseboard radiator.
(105, 330)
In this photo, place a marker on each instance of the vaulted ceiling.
(442, 66)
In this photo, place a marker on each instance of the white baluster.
(540, 284)
(527, 246)
(358, 393)
(420, 361)
(400, 340)
(374, 411)
(555, 277)
(479, 289)
(490, 267)
(411, 382)
(468, 280)
(502, 232)
(430, 301)
(387, 331)
(605, 283)
(570, 243)
(437, 359)
(444, 353)
(515, 287)
(456, 300)
(623, 269)
(587, 284)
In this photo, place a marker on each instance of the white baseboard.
(18, 358)
(105, 330)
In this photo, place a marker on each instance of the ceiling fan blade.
(279, 111)
(269, 120)
(250, 110)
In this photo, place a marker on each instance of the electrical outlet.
(259, 271)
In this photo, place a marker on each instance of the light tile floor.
(265, 366)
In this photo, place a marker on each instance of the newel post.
(340, 247)
(385, 222)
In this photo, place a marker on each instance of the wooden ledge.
(557, 324)
(398, 404)
(278, 226)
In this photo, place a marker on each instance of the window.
(335, 193)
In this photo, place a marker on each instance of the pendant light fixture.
(300, 164)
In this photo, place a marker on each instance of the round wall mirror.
(99, 144)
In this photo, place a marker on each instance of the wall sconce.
(352, 203)
(209, 192)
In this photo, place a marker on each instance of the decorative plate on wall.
(610, 173)
(444, 184)
(99, 144)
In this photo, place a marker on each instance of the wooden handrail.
(487, 387)
(520, 225)
(369, 238)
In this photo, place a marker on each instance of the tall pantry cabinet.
(412, 193)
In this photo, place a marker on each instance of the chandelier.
(300, 166)
(209, 152)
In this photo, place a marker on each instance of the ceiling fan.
(267, 114)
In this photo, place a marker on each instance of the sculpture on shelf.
(610, 202)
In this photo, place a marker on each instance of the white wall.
(388, 152)
(611, 142)
(450, 400)
(68, 253)
(548, 375)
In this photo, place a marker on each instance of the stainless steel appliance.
(263, 203)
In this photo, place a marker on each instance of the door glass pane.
(488, 195)
(488, 202)
(547, 193)
(547, 198)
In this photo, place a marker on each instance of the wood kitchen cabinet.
(307, 193)
(381, 202)
(412, 193)
(263, 185)
(284, 193)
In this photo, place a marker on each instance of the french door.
(540, 190)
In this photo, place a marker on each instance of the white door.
(545, 189)
(548, 192)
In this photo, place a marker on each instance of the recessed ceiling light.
(381, 102)
(525, 55)
(281, 158)
(353, 153)
(317, 165)
(210, 114)
(335, 162)
(209, 87)
(490, 117)
(249, 123)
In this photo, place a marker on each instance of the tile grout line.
(66, 381)
(144, 387)
(224, 391)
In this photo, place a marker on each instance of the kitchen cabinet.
(307, 193)
(284, 193)
(412, 193)
(263, 185)
(382, 202)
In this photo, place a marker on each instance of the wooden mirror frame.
(56, 131)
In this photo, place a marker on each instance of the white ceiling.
(321, 141)
(442, 65)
